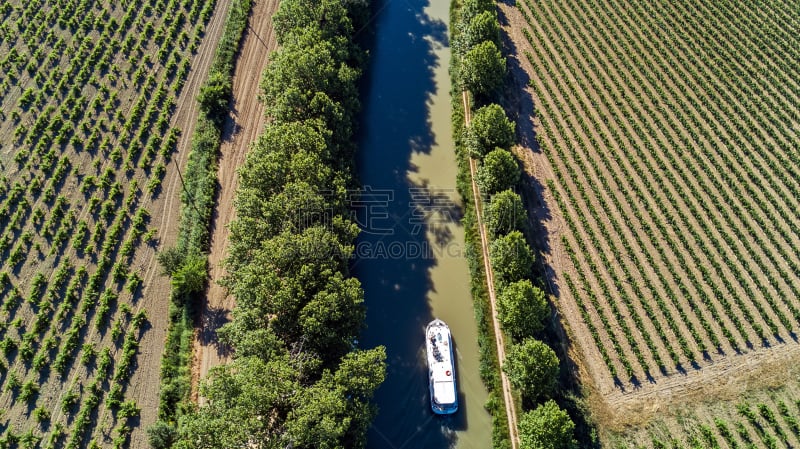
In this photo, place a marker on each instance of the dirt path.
(511, 410)
(167, 208)
(241, 128)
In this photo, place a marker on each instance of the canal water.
(410, 254)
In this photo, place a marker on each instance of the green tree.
(512, 258)
(282, 274)
(490, 129)
(499, 171)
(287, 152)
(532, 367)
(505, 213)
(522, 309)
(333, 318)
(191, 277)
(483, 69)
(483, 27)
(297, 207)
(214, 97)
(310, 79)
(547, 427)
(335, 412)
(239, 397)
(472, 8)
(328, 16)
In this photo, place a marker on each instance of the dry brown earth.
(241, 129)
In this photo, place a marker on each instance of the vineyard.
(88, 90)
(669, 135)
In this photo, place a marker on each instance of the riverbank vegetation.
(532, 366)
(296, 378)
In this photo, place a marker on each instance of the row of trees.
(531, 365)
(296, 379)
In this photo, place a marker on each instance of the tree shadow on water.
(392, 262)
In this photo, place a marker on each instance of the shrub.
(171, 260)
(214, 97)
(41, 414)
(29, 390)
(161, 435)
(192, 275)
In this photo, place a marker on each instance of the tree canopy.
(472, 8)
(482, 27)
(547, 427)
(499, 171)
(483, 69)
(490, 129)
(296, 379)
(214, 96)
(329, 17)
(532, 368)
(506, 213)
(522, 309)
(259, 403)
(256, 408)
(512, 258)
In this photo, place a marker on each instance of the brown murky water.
(410, 255)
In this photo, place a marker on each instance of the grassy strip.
(197, 204)
(489, 363)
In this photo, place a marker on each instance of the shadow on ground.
(520, 107)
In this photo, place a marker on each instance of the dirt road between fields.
(146, 378)
(241, 129)
(511, 411)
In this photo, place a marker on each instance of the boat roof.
(441, 367)
(444, 392)
(442, 372)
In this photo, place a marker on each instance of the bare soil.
(241, 129)
(144, 385)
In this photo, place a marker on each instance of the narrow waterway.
(410, 254)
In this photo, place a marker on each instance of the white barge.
(441, 368)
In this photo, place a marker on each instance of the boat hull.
(441, 368)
